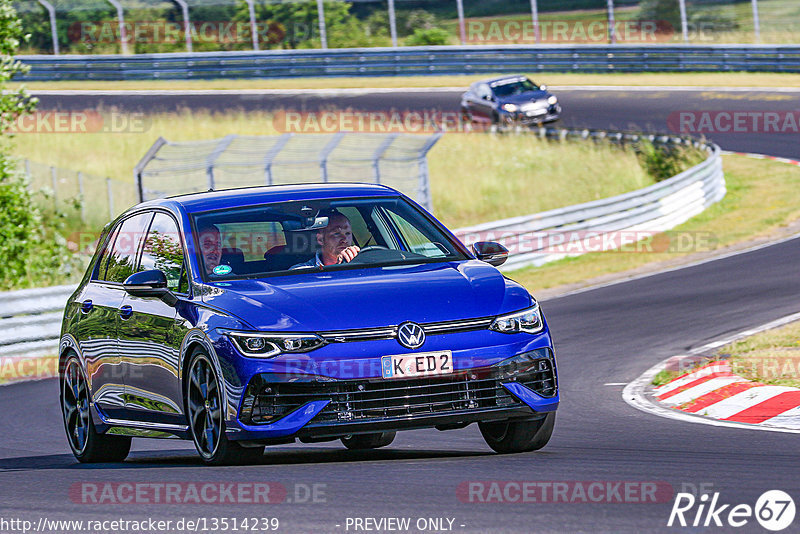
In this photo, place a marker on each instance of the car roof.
(248, 196)
(490, 81)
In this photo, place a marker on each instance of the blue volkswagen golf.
(253, 317)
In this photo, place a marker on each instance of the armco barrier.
(656, 208)
(407, 61)
(30, 319)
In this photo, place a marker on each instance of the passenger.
(336, 243)
(210, 247)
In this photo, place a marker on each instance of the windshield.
(298, 236)
(514, 87)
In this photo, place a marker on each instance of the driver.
(210, 247)
(336, 243)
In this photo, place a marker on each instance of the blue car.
(259, 316)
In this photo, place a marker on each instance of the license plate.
(535, 112)
(418, 364)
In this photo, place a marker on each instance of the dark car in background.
(509, 101)
(205, 317)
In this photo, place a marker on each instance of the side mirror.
(491, 252)
(543, 87)
(152, 283)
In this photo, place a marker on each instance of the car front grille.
(374, 399)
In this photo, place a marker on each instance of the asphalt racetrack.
(605, 338)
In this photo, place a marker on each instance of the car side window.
(122, 260)
(415, 240)
(163, 251)
(102, 263)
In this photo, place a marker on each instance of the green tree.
(661, 10)
(29, 254)
(430, 37)
(296, 25)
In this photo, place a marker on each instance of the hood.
(371, 297)
(524, 98)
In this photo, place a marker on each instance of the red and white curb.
(714, 391)
(713, 395)
(762, 156)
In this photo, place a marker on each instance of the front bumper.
(521, 387)
(549, 114)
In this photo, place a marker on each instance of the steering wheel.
(364, 254)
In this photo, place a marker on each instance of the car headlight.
(510, 107)
(269, 345)
(552, 100)
(529, 320)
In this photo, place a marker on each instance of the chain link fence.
(94, 200)
(151, 26)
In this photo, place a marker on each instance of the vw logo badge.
(410, 335)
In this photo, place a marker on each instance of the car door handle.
(86, 306)
(125, 312)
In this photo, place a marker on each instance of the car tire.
(88, 445)
(368, 441)
(518, 436)
(205, 412)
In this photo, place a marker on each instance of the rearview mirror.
(152, 283)
(491, 252)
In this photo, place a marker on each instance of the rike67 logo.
(774, 510)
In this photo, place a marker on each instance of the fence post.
(756, 24)
(323, 156)
(392, 23)
(612, 37)
(323, 33)
(187, 24)
(535, 17)
(253, 27)
(82, 196)
(462, 32)
(53, 31)
(110, 199)
(684, 23)
(376, 157)
(212, 158)
(272, 153)
(424, 196)
(54, 182)
(123, 35)
(28, 171)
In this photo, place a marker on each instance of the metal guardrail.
(542, 237)
(30, 319)
(415, 61)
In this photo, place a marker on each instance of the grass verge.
(761, 197)
(475, 177)
(665, 79)
(771, 357)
